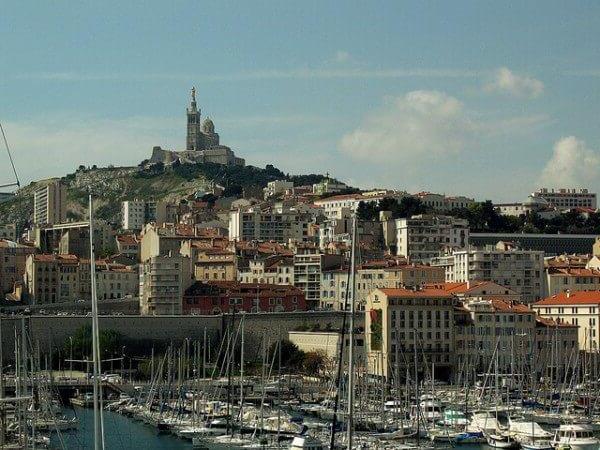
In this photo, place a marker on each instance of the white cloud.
(424, 126)
(507, 82)
(342, 56)
(421, 123)
(573, 164)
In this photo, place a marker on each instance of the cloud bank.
(505, 81)
(420, 122)
(573, 165)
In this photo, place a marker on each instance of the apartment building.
(50, 204)
(398, 319)
(309, 264)
(163, 281)
(581, 309)
(564, 199)
(562, 279)
(113, 281)
(128, 245)
(215, 264)
(424, 237)
(133, 215)
(52, 278)
(13, 257)
(218, 297)
(439, 202)
(519, 270)
(368, 278)
(274, 269)
(277, 187)
(269, 224)
(490, 326)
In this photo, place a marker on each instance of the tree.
(314, 362)
(110, 343)
(291, 356)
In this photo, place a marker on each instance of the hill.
(111, 185)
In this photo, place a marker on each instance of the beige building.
(274, 269)
(163, 281)
(424, 237)
(519, 270)
(215, 264)
(13, 258)
(52, 278)
(396, 319)
(50, 204)
(571, 279)
(113, 281)
(270, 224)
(334, 282)
(581, 309)
(128, 245)
(493, 325)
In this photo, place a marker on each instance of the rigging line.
(10, 156)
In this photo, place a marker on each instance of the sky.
(481, 98)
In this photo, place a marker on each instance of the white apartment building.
(519, 270)
(163, 281)
(439, 202)
(581, 309)
(277, 187)
(309, 264)
(50, 204)
(424, 237)
(564, 199)
(133, 214)
(279, 225)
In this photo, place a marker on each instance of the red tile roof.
(572, 298)
(573, 272)
(426, 292)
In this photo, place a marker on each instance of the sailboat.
(98, 412)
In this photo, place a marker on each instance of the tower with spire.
(193, 124)
(199, 136)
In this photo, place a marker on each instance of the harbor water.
(120, 432)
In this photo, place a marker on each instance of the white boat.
(576, 437)
(485, 422)
(501, 440)
(527, 430)
(306, 443)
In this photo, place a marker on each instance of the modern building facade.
(424, 237)
(50, 204)
(163, 281)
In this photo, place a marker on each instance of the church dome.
(208, 126)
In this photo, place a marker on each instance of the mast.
(2, 418)
(98, 414)
(241, 378)
(349, 421)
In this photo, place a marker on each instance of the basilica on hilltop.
(201, 144)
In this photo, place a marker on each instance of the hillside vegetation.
(112, 185)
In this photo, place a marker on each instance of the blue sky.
(478, 98)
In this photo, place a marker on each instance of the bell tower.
(193, 124)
